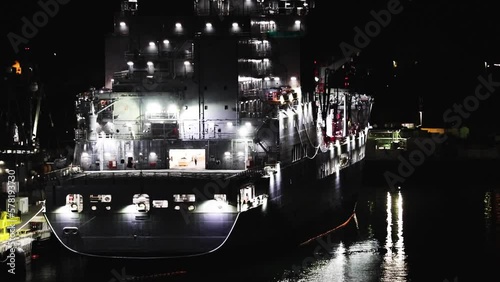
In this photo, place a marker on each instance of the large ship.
(203, 138)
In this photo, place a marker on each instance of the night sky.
(440, 47)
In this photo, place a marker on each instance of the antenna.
(420, 110)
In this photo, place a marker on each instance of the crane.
(325, 82)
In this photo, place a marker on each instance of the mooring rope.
(353, 215)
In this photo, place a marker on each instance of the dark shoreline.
(470, 171)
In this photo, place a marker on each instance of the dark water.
(423, 232)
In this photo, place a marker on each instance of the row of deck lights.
(178, 26)
(150, 65)
(209, 27)
(140, 201)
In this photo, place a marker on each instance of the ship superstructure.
(203, 135)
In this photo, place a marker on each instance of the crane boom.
(37, 116)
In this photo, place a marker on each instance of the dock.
(29, 227)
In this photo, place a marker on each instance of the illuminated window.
(179, 198)
(160, 204)
(74, 202)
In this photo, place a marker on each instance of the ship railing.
(250, 172)
(170, 54)
(164, 116)
(41, 235)
(121, 74)
(252, 11)
(63, 173)
(140, 74)
(136, 136)
(239, 33)
(151, 173)
(257, 114)
(186, 136)
(250, 93)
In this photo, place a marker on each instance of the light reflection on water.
(356, 262)
(488, 211)
(366, 260)
(394, 264)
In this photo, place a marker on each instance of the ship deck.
(75, 172)
(190, 173)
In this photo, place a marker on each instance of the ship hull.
(314, 206)
(298, 207)
(121, 230)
